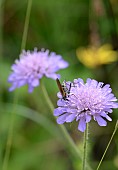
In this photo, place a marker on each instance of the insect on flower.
(64, 90)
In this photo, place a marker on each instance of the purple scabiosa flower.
(85, 101)
(32, 66)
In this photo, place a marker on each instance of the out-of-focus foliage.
(61, 26)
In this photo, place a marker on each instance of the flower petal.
(82, 124)
(88, 118)
(58, 111)
(62, 102)
(103, 114)
(61, 119)
(30, 89)
(52, 75)
(100, 121)
(35, 82)
(70, 118)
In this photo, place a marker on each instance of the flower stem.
(12, 121)
(112, 24)
(1, 28)
(69, 141)
(10, 135)
(115, 129)
(63, 129)
(47, 97)
(26, 26)
(85, 148)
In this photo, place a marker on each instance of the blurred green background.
(61, 26)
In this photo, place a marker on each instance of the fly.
(63, 89)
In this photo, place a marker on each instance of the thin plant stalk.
(69, 141)
(15, 100)
(26, 25)
(115, 129)
(85, 148)
(1, 28)
(112, 23)
(63, 129)
(10, 135)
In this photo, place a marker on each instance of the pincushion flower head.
(85, 101)
(32, 66)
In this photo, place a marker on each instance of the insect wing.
(60, 87)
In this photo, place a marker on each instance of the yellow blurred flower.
(93, 57)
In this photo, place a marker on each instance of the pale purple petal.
(70, 118)
(82, 124)
(58, 111)
(35, 82)
(88, 118)
(12, 88)
(59, 95)
(100, 121)
(103, 114)
(61, 119)
(108, 118)
(94, 83)
(30, 89)
(88, 82)
(21, 83)
(80, 81)
(106, 89)
(52, 75)
(115, 105)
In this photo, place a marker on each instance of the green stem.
(1, 28)
(47, 97)
(69, 141)
(26, 26)
(12, 121)
(63, 129)
(85, 148)
(115, 129)
(10, 135)
(112, 23)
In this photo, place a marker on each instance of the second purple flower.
(32, 66)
